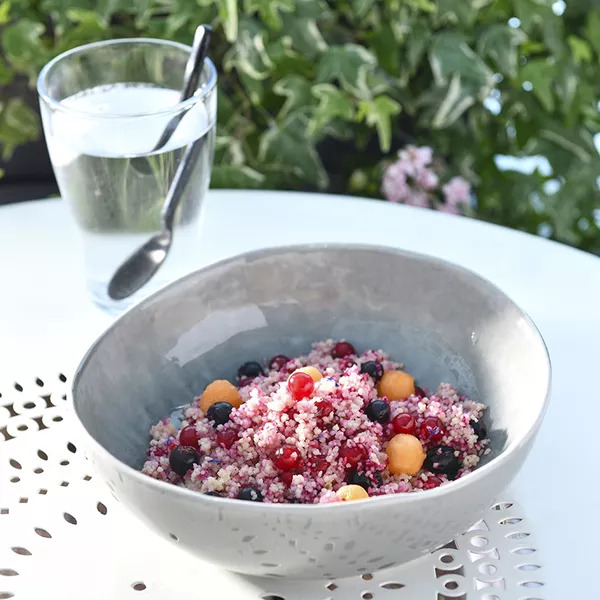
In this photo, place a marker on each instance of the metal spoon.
(141, 266)
(193, 68)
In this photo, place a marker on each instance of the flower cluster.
(411, 179)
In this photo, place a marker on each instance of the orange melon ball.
(220, 390)
(352, 492)
(396, 385)
(313, 372)
(406, 454)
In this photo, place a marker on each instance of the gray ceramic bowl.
(444, 323)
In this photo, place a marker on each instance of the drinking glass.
(104, 107)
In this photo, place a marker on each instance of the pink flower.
(457, 191)
(394, 186)
(406, 166)
(413, 181)
(427, 179)
(419, 157)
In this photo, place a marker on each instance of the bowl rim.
(480, 473)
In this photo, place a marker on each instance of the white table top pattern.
(47, 320)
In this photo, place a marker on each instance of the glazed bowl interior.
(444, 323)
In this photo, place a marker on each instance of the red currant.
(353, 455)
(286, 458)
(404, 423)
(432, 430)
(286, 477)
(227, 438)
(342, 349)
(278, 362)
(301, 385)
(189, 436)
(324, 408)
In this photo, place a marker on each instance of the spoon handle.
(193, 67)
(193, 70)
(179, 183)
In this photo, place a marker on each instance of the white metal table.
(47, 321)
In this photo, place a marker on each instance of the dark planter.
(28, 173)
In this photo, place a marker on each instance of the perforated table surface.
(537, 542)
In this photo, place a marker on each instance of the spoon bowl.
(140, 266)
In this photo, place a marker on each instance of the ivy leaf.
(581, 51)
(105, 9)
(85, 17)
(378, 83)
(538, 15)
(18, 124)
(304, 35)
(236, 176)
(530, 47)
(248, 55)
(57, 11)
(297, 91)
(361, 7)
(446, 103)
(541, 74)
(286, 145)
(268, 10)
(225, 110)
(379, 113)
(255, 88)
(426, 6)
(4, 12)
(450, 55)
(228, 151)
(529, 13)
(499, 43)
(143, 13)
(416, 44)
(386, 47)
(456, 12)
(349, 65)
(89, 27)
(333, 104)
(302, 27)
(338, 129)
(23, 46)
(228, 15)
(313, 9)
(592, 29)
(568, 88)
(571, 143)
(183, 16)
(553, 32)
(287, 61)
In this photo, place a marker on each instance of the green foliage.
(317, 94)
(18, 124)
